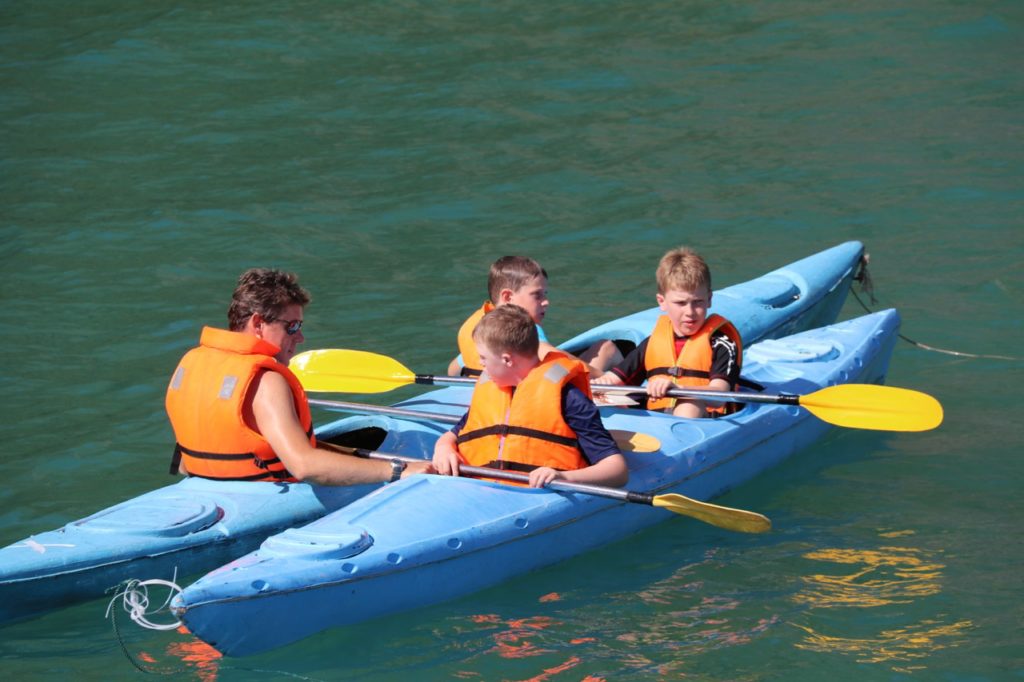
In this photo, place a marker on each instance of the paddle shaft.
(715, 396)
(381, 409)
(486, 472)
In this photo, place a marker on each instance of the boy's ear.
(661, 301)
(504, 297)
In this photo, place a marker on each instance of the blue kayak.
(195, 525)
(427, 539)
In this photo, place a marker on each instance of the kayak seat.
(370, 437)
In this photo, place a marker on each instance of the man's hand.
(413, 468)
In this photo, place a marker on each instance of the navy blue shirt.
(582, 416)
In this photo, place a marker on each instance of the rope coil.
(134, 596)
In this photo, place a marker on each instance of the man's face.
(276, 333)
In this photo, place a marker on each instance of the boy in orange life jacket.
(529, 414)
(521, 281)
(686, 348)
(239, 413)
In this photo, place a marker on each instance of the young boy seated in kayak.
(687, 348)
(523, 282)
(529, 414)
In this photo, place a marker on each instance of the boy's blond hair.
(682, 269)
(512, 272)
(508, 329)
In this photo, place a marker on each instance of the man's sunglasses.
(291, 327)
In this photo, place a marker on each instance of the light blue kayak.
(427, 539)
(194, 525)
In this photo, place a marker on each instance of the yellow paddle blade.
(723, 517)
(349, 371)
(633, 441)
(867, 406)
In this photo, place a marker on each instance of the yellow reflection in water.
(879, 577)
(886, 575)
(905, 645)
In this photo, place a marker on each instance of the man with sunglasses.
(239, 413)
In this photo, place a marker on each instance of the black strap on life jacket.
(505, 465)
(506, 430)
(701, 374)
(680, 372)
(225, 456)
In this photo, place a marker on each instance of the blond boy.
(687, 348)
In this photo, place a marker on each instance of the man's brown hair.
(267, 292)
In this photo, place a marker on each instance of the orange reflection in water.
(198, 655)
(515, 639)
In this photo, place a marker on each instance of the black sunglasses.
(291, 327)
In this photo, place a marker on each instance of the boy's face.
(500, 367)
(686, 309)
(531, 297)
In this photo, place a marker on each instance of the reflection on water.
(202, 658)
(900, 647)
(887, 575)
(188, 656)
(879, 577)
(516, 638)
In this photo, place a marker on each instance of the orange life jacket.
(523, 428)
(693, 365)
(206, 402)
(471, 364)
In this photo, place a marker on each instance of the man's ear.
(255, 324)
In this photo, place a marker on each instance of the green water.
(389, 152)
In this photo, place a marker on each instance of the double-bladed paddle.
(860, 406)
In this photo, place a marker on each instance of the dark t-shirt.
(582, 416)
(724, 361)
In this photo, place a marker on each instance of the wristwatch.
(397, 467)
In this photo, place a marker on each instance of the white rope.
(134, 596)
